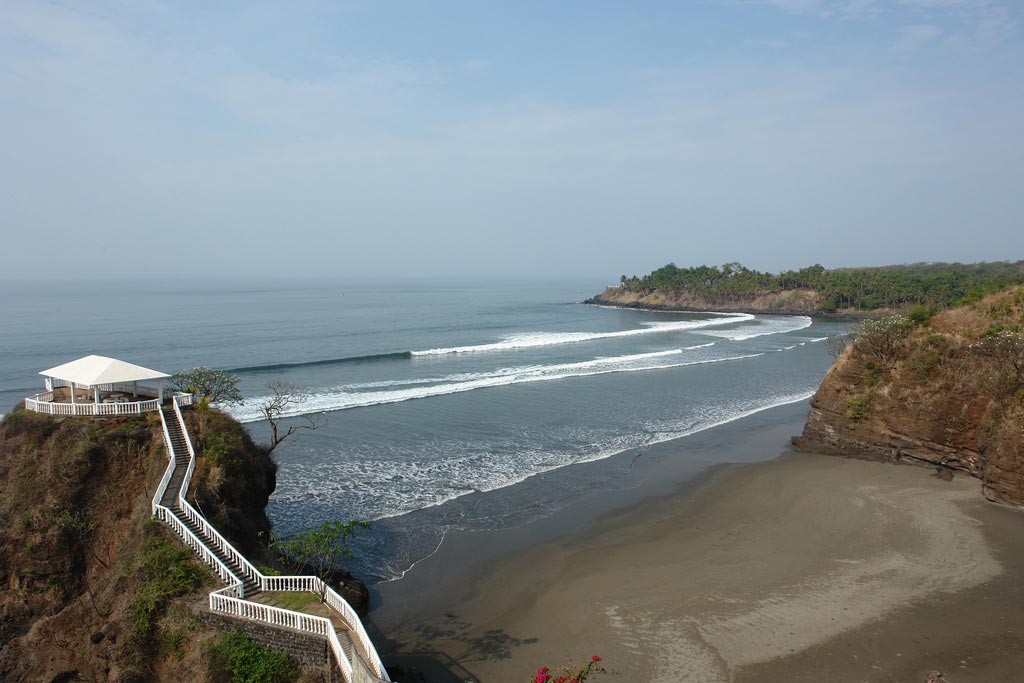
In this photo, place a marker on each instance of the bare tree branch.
(286, 396)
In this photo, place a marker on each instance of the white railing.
(193, 515)
(315, 584)
(355, 625)
(300, 621)
(43, 403)
(167, 516)
(169, 472)
(231, 600)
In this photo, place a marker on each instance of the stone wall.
(308, 651)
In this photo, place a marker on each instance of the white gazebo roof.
(93, 370)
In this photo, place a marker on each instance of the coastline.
(709, 572)
(599, 300)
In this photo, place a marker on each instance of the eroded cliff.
(946, 392)
(93, 589)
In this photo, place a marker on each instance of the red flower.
(595, 658)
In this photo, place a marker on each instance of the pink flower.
(595, 658)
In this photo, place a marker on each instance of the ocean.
(448, 404)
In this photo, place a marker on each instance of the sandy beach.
(800, 568)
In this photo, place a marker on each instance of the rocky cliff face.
(790, 302)
(92, 589)
(948, 393)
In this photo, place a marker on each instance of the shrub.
(858, 407)
(321, 548)
(216, 385)
(165, 571)
(925, 357)
(921, 314)
(570, 673)
(1005, 350)
(882, 338)
(238, 659)
(872, 374)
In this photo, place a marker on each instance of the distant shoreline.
(724, 308)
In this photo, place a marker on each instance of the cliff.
(93, 588)
(946, 392)
(788, 302)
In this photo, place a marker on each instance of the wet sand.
(801, 568)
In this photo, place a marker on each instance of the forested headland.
(815, 289)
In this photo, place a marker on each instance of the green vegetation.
(215, 386)
(928, 285)
(321, 548)
(164, 571)
(238, 659)
(858, 407)
(294, 600)
(872, 374)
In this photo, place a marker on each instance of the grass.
(238, 659)
(294, 600)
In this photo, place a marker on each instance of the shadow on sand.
(420, 653)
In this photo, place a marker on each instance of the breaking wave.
(397, 391)
(535, 339)
(762, 327)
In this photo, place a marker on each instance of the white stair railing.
(167, 516)
(230, 600)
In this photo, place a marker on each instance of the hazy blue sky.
(533, 138)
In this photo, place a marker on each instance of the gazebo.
(97, 385)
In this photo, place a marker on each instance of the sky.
(515, 139)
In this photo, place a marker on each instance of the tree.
(837, 343)
(216, 386)
(1005, 348)
(321, 548)
(882, 338)
(285, 397)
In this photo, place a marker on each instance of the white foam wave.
(344, 398)
(438, 482)
(661, 437)
(762, 327)
(535, 339)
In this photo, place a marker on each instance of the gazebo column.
(96, 395)
(160, 388)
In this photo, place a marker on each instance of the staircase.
(170, 501)
(181, 459)
(249, 586)
(345, 634)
